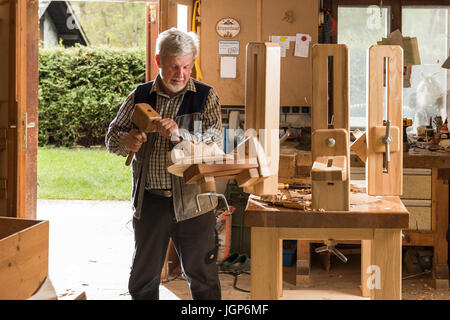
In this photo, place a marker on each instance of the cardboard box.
(23, 257)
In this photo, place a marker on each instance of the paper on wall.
(302, 45)
(283, 41)
(228, 67)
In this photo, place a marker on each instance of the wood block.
(207, 184)
(247, 177)
(359, 146)
(340, 189)
(321, 198)
(390, 182)
(23, 257)
(304, 159)
(144, 116)
(319, 140)
(329, 169)
(287, 166)
(378, 132)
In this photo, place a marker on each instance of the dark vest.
(184, 195)
(192, 101)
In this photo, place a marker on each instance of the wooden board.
(23, 257)
(321, 136)
(198, 171)
(340, 94)
(380, 183)
(262, 113)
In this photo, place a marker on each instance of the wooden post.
(330, 147)
(266, 264)
(387, 264)
(379, 181)
(262, 107)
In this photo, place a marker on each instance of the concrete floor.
(91, 247)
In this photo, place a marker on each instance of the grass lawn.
(82, 173)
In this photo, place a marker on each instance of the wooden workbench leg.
(439, 207)
(387, 265)
(266, 264)
(303, 261)
(366, 262)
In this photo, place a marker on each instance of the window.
(359, 28)
(361, 25)
(182, 17)
(427, 96)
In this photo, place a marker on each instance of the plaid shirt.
(159, 177)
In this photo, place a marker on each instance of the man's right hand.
(133, 140)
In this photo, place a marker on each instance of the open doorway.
(91, 55)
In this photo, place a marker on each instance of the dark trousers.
(195, 241)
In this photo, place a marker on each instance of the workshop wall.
(258, 20)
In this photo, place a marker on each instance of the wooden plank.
(390, 265)
(326, 233)
(330, 142)
(262, 101)
(266, 263)
(418, 238)
(366, 262)
(24, 261)
(390, 182)
(320, 54)
(197, 171)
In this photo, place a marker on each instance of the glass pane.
(359, 28)
(182, 17)
(427, 96)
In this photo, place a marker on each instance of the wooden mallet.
(143, 117)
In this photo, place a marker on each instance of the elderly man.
(164, 206)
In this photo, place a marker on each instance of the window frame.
(395, 6)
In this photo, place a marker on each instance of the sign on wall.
(228, 28)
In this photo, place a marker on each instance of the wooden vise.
(330, 174)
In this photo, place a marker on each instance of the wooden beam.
(262, 107)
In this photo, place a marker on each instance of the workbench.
(378, 224)
(439, 163)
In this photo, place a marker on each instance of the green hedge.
(81, 89)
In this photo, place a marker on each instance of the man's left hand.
(168, 128)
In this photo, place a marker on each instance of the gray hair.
(174, 42)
